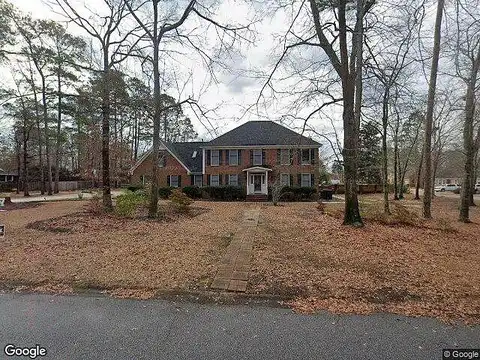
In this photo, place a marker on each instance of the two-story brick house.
(254, 155)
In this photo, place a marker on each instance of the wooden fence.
(63, 185)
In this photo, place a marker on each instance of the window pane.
(214, 180)
(215, 158)
(174, 180)
(306, 180)
(305, 156)
(285, 180)
(198, 180)
(285, 157)
(257, 157)
(233, 180)
(233, 157)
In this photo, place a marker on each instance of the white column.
(266, 182)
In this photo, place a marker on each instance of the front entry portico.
(257, 180)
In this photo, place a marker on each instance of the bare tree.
(427, 187)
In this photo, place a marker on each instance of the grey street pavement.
(94, 327)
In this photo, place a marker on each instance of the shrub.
(290, 193)
(6, 187)
(127, 204)
(180, 200)
(456, 191)
(225, 193)
(164, 192)
(134, 188)
(193, 192)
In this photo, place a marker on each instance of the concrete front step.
(257, 197)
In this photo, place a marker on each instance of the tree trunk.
(18, 148)
(47, 140)
(419, 177)
(153, 208)
(25, 162)
(40, 142)
(468, 141)
(427, 186)
(107, 197)
(386, 206)
(57, 144)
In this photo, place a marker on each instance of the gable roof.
(184, 152)
(261, 133)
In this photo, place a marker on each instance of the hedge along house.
(253, 155)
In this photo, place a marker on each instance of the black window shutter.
(240, 179)
(168, 180)
(312, 181)
(180, 181)
(227, 179)
(208, 179)
(290, 151)
(263, 157)
(220, 157)
(227, 157)
(299, 179)
(279, 154)
(220, 179)
(207, 154)
(312, 156)
(291, 180)
(299, 156)
(251, 157)
(239, 157)
(192, 180)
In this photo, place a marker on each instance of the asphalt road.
(87, 327)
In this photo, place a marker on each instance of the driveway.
(91, 327)
(70, 195)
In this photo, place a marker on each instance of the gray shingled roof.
(184, 151)
(261, 133)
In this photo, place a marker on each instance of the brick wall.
(172, 167)
(270, 162)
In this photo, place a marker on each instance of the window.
(306, 159)
(174, 181)
(285, 179)
(257, 157)
(233, 157)
(162, 161)
(198, 180)
(215, 158)
(285, 157)
(306, 180)
(214, 180)
(233, 180)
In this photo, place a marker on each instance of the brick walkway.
(233, 271)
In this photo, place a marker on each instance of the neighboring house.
(8, 176)
(253, 155)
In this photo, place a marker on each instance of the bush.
(134, 188)
(193, 192)
(95, 205)
(225, 193)
(180, 200)
(127, 204)
(6, 187)
(164, 192)
(456, 191)
(298, 193)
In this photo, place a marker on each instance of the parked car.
(452, 187)
(477, 188)
(440, 188)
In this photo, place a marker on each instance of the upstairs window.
(257, 157)
(233, 157)
(285, 157)
(215, 158)
(307, 156)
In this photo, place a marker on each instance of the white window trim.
(288, 179)
(211, 157)
(230, 152)
(171, 182)
(282, 152)
(218, 180)
(195, 177)
(309, 161)
(230, 179)
(309, 180)
(261, 157)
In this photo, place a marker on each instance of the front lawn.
(431, 269)
(60, 246)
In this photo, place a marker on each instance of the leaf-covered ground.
(59, 243)
(430, 269)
